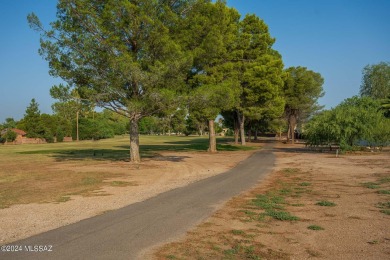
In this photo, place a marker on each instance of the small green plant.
(384, 180)
(371, 185)
(305, 184)
(326, 203)
(268, 202)
(384, 205)
(298, 205)
(281, 215)
(383, 191)
(385, 211)
(89, 181)
(373, 242)
(238, 232)
(290, 170)
(315, 227)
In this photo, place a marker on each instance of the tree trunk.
(236, 131)
(256, 132)
(134, 141)
(292, 123)
(212, 139)
(241, 122)
(249, 135)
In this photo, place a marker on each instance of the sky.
(336, 38)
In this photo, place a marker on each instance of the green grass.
(268, 202)
(371, 185)
(238, 232)
(326, 203)
(315, 227)
(281, 215)
(383, 191)
(305, 184)
(385, 207)
(385, 211)
(384, 180)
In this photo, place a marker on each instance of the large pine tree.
(119, 54)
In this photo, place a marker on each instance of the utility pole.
(77, 126)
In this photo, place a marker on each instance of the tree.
(10, 136)
(302, 88)
(119, 54)
(32, 120)
(9, 123)
(355, 119)
(385, 106)
(209, 35)
(376, 81)
(70, 106)
(259, 70)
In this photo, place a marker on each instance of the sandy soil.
(151, 177)
(353, 229)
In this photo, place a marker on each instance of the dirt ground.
(313, 205)
(151, 177)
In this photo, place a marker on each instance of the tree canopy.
(355, 119)
(376, 81)
(119, 54)
(302, 88)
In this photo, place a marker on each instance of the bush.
(10, 136)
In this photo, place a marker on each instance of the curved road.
(125, 233)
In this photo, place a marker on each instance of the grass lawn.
(53, 172)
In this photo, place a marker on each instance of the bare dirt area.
(133, 184)
(313, 205)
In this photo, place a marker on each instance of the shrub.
(10, 136)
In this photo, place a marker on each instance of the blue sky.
(336, 38)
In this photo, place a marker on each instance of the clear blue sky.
(336, 38)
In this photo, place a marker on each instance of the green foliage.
(376, 81)
(121, 55)
(302, 88)
(259, 71)
(315, 227)
(32, 120)
(326, 203)
(10, 136)
(9, 123)
(355, 119)
(385, 106)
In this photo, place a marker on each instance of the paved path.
(125, 233)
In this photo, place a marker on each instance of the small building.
(20, 134)
(21, 137)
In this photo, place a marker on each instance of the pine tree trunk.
(292, 122)
(212, 138)
(134, 141)
(241, 122)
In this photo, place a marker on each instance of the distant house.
(20, 134)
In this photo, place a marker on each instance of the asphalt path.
(129, 231)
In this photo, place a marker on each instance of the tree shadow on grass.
(121, 153)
